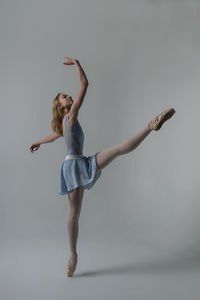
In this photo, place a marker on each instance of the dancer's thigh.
(75, 200)
(105, 157)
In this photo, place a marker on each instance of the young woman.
(79, 172)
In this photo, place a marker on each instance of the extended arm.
(48, 139)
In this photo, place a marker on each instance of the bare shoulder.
(63, 122)
(73, 115)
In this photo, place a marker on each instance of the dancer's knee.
(73, 217)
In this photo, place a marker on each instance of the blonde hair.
(57, 116)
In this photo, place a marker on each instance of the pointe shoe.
(157, 122)
(71, 266)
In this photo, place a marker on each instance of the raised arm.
(81, 74)
(83, 83)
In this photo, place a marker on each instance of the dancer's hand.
(34, 147)
(69, 61)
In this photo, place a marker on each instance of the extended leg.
(106, 156)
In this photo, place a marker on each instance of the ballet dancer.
(79, 172)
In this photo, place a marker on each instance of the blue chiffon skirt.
(78, 172)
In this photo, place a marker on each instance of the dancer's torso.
(74, 137)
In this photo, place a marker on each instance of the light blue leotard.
(76, 172)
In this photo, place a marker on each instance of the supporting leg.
(75, 200)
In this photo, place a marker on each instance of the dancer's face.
(66, 101)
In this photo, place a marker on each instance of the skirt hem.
(87, 185)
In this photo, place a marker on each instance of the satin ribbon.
(73, 156)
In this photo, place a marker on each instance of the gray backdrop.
(139, 224)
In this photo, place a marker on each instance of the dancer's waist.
(73, 156)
